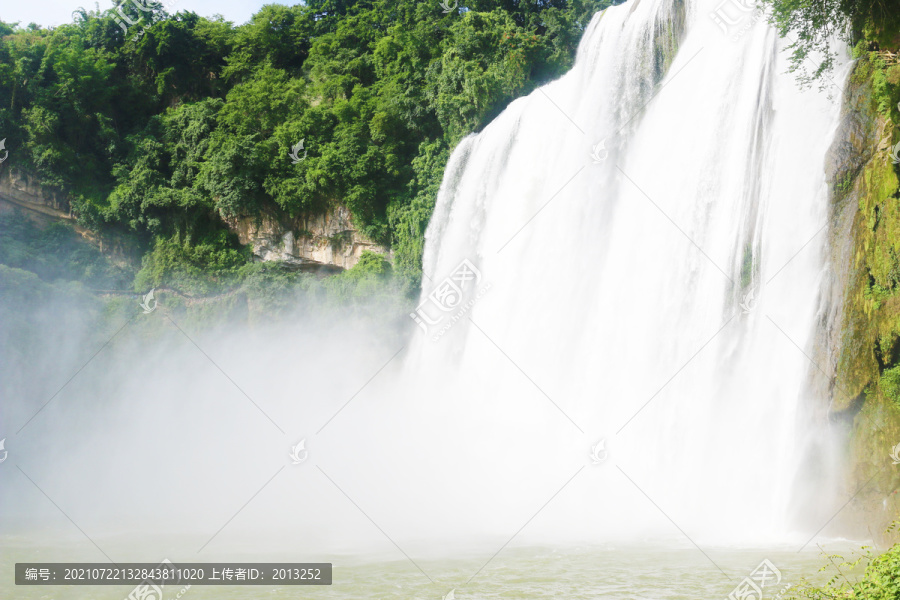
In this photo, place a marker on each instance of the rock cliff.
(324, 242)
(861, 307)
(327, 240)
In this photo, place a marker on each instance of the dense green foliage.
(881, 580)
(172, 125)
(871, 356)
(56, 252)
(180, 121)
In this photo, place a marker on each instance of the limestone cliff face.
(19, 188)
(322, 243)
(860, 336)
(853, 148)
(24, 194)
(327, 240)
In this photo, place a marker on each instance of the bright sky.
(57, 12)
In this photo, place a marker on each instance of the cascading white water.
(617, 220)
(654, 267)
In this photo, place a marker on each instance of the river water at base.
(578, 573)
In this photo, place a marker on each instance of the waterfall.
(632, 256)
(614, 343)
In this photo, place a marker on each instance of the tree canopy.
(813, 26)
(166, 126)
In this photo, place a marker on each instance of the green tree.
(812, 26)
